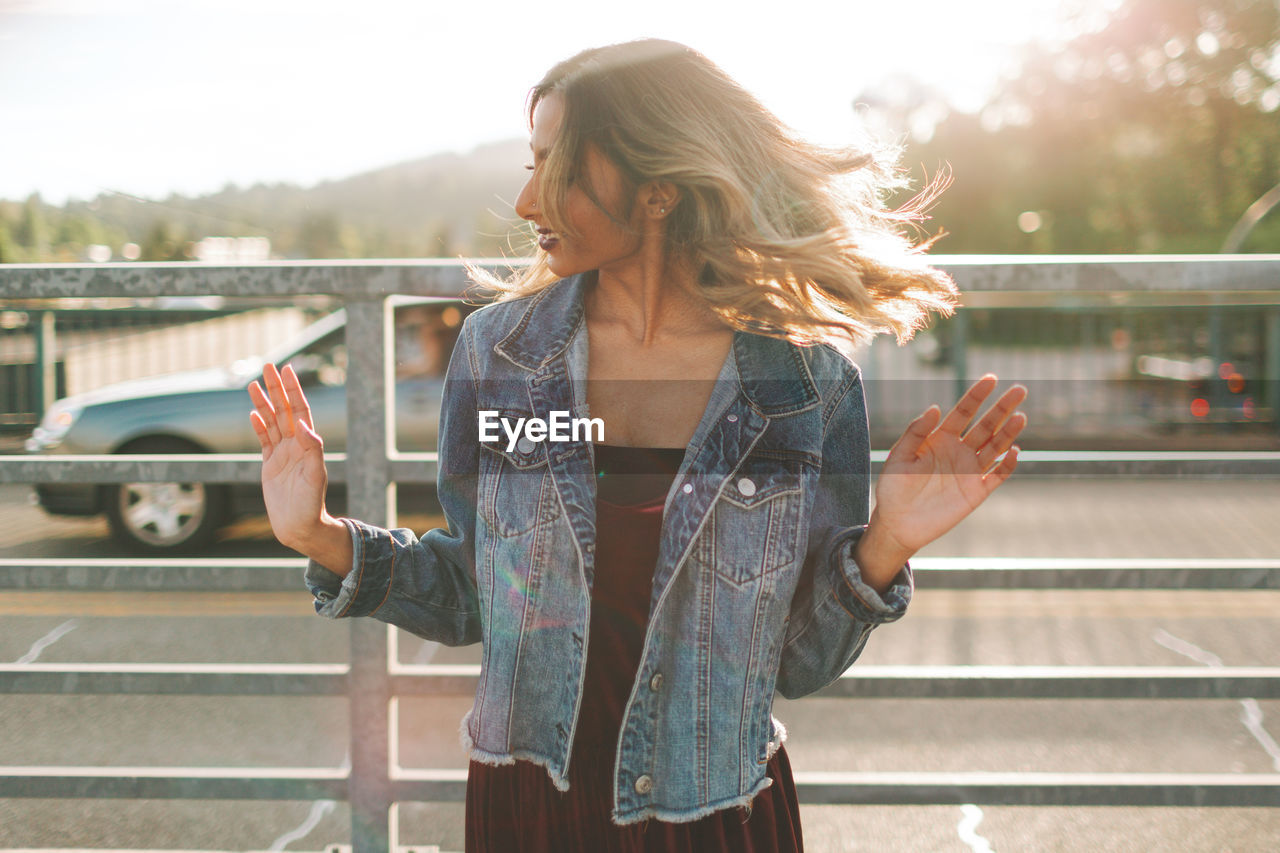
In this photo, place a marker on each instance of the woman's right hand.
(293, 473)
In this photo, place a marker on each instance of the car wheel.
(165, 517)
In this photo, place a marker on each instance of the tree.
(164, 242)
(1152, 132)
(32, 229)
(320, 236)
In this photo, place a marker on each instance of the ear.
(659, 198)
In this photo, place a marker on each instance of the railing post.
(371, 498)
(1271, 369)
(960, 322)
(1217, 354)
(46, 362)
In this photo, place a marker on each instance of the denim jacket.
(755, 588)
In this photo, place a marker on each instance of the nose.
(527, 200)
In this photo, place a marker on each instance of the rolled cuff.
(333, 593)
(859, 599)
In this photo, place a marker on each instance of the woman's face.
(601, 241)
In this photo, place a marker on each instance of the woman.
(641, 595)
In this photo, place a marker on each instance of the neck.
(650, 298)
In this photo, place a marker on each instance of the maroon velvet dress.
(515, 807)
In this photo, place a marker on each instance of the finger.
(284, 416)
(995, 417)
(297, 399)
(308, 437)
(1001, 472)
(260, 430)
(1001, 441)
(265, 412)
(916, 432)
(968, 405)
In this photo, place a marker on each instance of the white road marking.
(1185, 649)
(319, 809)
(1252, 719)
(47, 640)
(1252, 716)
(971, 817)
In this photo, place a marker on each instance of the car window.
(323, 362)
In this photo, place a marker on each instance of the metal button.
(644, 785)
(591, 549)
(746, 487)
(655, 683)
(688, 487)
(524, 445)
(733, 419)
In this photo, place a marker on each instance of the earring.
(662, 210)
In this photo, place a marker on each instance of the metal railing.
(375, 678)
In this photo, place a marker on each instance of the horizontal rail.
(350, 279)
(284, 574)
(170, 783)
(963, 682)
(421, 467)
(175, 467)
(366, 279)
(988, 789)
(191, 679)
(862, 682)
(140, 574)
(1040, 789)
(1095, 573)
(1055, 682)
(813, 788)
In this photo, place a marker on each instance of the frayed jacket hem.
(689, 815)
(500, 759)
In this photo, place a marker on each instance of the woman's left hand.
(934, 476)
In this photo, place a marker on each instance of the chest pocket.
(756, 521)
(516, 493)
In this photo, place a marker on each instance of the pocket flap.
(763, 476)
(524, 452)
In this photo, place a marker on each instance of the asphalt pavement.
(1027, 518)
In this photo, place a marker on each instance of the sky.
(149, 97)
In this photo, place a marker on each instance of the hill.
(443, 205)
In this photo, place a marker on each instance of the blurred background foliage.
(1152, 132)
(1151, 129)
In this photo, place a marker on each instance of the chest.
(653, 396)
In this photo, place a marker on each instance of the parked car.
(1181, 392)
(207, 411)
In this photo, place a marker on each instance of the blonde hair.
(789, 239)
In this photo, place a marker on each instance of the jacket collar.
(772, 373)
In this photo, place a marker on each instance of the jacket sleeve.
(426, 586)
(833, 610)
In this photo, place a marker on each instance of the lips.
(547, 240)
